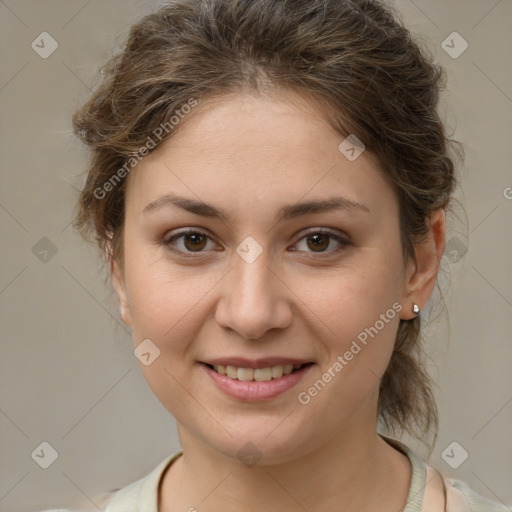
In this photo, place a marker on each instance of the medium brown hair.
(354, 59)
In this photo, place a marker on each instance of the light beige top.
(429, 491)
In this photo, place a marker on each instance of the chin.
(253, 445)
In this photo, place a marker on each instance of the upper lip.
(265, 362)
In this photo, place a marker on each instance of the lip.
(254, 391)
(242, 362)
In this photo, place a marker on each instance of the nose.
(254, 299)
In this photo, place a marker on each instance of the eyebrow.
(287, 212)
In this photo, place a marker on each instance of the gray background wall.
(67, 373)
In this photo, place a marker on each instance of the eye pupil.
(318, 238)
(195, 237)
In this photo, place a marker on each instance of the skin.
(251, 155)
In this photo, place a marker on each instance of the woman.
(269, 182)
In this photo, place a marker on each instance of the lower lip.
(254, 391)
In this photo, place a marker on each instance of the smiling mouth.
(256, 374)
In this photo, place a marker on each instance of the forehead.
(251, 151)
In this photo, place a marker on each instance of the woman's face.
(268, 279)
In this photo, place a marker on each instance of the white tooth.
(262, 374)
(232, 372)
(245, 373)
(288, 369)
(277, 371)
(258, 374)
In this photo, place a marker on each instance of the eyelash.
(167, 242)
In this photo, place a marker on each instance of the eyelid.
(166, 242)
(322, 230)
(343, 241)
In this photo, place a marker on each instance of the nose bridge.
(251, 280)
(250, 291)
(253, 301)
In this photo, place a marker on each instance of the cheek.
(359, 321)
(358, 310)
(164, 308)
(161, 297)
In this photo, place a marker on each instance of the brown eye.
(194, 241)
(188, 242)
(319, 242)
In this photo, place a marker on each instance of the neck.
(362, 472)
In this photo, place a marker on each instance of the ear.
(118, 282)
(422, 272)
